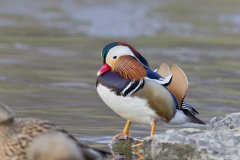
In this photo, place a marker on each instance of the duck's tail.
(191, 113)
(6, 113)
(90, 153)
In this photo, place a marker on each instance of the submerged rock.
(220, 141)
(122, 148)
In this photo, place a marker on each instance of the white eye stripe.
(120, 51)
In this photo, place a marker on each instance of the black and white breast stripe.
(132, 87)
(119, 85)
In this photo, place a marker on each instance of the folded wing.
(179, 84)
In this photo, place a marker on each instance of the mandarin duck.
(35, 139)
(129, 87)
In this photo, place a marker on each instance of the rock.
(219, 142)
(231, 121)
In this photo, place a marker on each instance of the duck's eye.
(114, 57)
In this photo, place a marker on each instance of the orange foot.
(125, 134)
(117, 136)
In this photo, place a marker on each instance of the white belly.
(179, 118)
(131, 108)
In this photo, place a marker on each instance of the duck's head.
(122, 58)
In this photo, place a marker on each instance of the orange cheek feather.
(130, 68)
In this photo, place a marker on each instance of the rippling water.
(50, 53)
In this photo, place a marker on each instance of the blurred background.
(50, 53)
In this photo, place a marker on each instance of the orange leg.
(153, 127)
(125, 132)
(127, 127)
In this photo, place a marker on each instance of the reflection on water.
(50, 53)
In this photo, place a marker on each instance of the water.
(50, 53)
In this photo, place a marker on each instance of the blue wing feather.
(153, 75)
(158, 78)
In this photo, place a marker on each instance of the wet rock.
(219, 142)
(122, 146)
(123, 149)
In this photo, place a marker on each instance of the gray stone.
(231, 121)
(221, 141)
